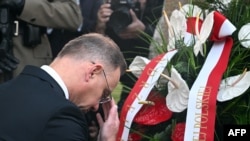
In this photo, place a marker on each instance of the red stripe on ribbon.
(213, 83)
(208, 110)
(191, 21)
(136, 90)
(219, 19)
(215, 76)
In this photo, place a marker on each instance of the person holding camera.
(127, 22)
(26, 22)
(47, 103)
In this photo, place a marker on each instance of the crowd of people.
(60, 61)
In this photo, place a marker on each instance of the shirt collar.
(58, 79)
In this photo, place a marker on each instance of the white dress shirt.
(57, 78)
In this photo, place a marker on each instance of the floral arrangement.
(203, 80)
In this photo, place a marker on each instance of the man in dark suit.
(46, 104)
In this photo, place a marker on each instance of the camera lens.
(120, 19)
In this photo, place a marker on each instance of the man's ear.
(95, 69)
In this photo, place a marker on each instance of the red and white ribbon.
(202, 98)
(140, 92)
(190, 37)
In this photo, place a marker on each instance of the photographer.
(28, 41)
(144, 15)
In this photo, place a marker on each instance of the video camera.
(121, 18)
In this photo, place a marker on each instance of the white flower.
(226, 2)
(244, 35)
(234, 86)
(137, 65)
(179, 27)
(204, 33)
(178, 92)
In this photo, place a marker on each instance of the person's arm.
(133, 30)
(151, 15)
(146, 23)
(55, 14)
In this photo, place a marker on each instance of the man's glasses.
(106, 96)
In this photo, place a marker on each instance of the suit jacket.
(33, 108)
(65, 14)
